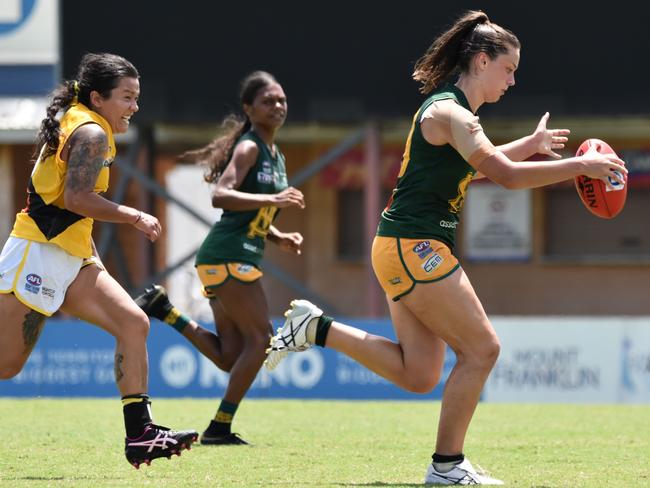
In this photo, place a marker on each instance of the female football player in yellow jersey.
(431, 301)
(49, 262)
(250, 184)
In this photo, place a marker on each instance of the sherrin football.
(604, 201)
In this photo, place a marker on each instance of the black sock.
(322, 328)
(443, 463)
(218, 429)
(443, 458)
(222, 422)
(137, 414)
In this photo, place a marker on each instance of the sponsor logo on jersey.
(251, 248)
(448, 225)
(264, 178)
(423, 249)
(432, 263)
(33, 283)
(266, 167)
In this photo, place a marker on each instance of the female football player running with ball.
(431, 301)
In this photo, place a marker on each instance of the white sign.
(497, 223)
(10, 11)
(6, 193)
(571, 359)
(185, 234)
(635, 363)
(29, 32)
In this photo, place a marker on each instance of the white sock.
(311, 330)
(445, 467)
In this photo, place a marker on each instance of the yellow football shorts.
(400, 263)
(215, 275)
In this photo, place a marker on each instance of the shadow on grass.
(379, 483)
(53, 478)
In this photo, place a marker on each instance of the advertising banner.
(549, 359)
(571, 359)
(29, 46)
(634, 361)
(29, 32)
(73, 358)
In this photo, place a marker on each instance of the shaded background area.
(347, 61)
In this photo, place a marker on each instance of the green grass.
(70, 442)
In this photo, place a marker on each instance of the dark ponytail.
(97, 72)
(217, 153)
(48, 135)
(453, 50)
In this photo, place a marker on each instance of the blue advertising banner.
(29, 47)
(73, 358)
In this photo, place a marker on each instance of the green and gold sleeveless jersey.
(240, 235)
(431, 184)
(45, 219)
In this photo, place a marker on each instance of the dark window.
(574, 234)
(351, 244)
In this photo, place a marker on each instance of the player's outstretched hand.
(548, 140)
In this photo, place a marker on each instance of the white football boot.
(292, 336)
(461, 474)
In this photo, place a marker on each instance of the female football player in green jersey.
(431, 301)
(49, 262)
(250, 184)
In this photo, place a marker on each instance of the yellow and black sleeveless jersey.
(45, 219)
(431, 184)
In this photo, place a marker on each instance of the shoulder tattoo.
(86, 159)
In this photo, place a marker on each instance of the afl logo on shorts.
(33, 283)
(423, 249)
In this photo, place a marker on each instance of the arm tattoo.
(32, 327)
(119, 374)
(85, 160)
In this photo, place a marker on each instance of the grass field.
(70, 442)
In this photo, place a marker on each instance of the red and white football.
(604, 201)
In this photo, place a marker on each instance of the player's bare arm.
(85, 159)
(88, 147)
(226, 194)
